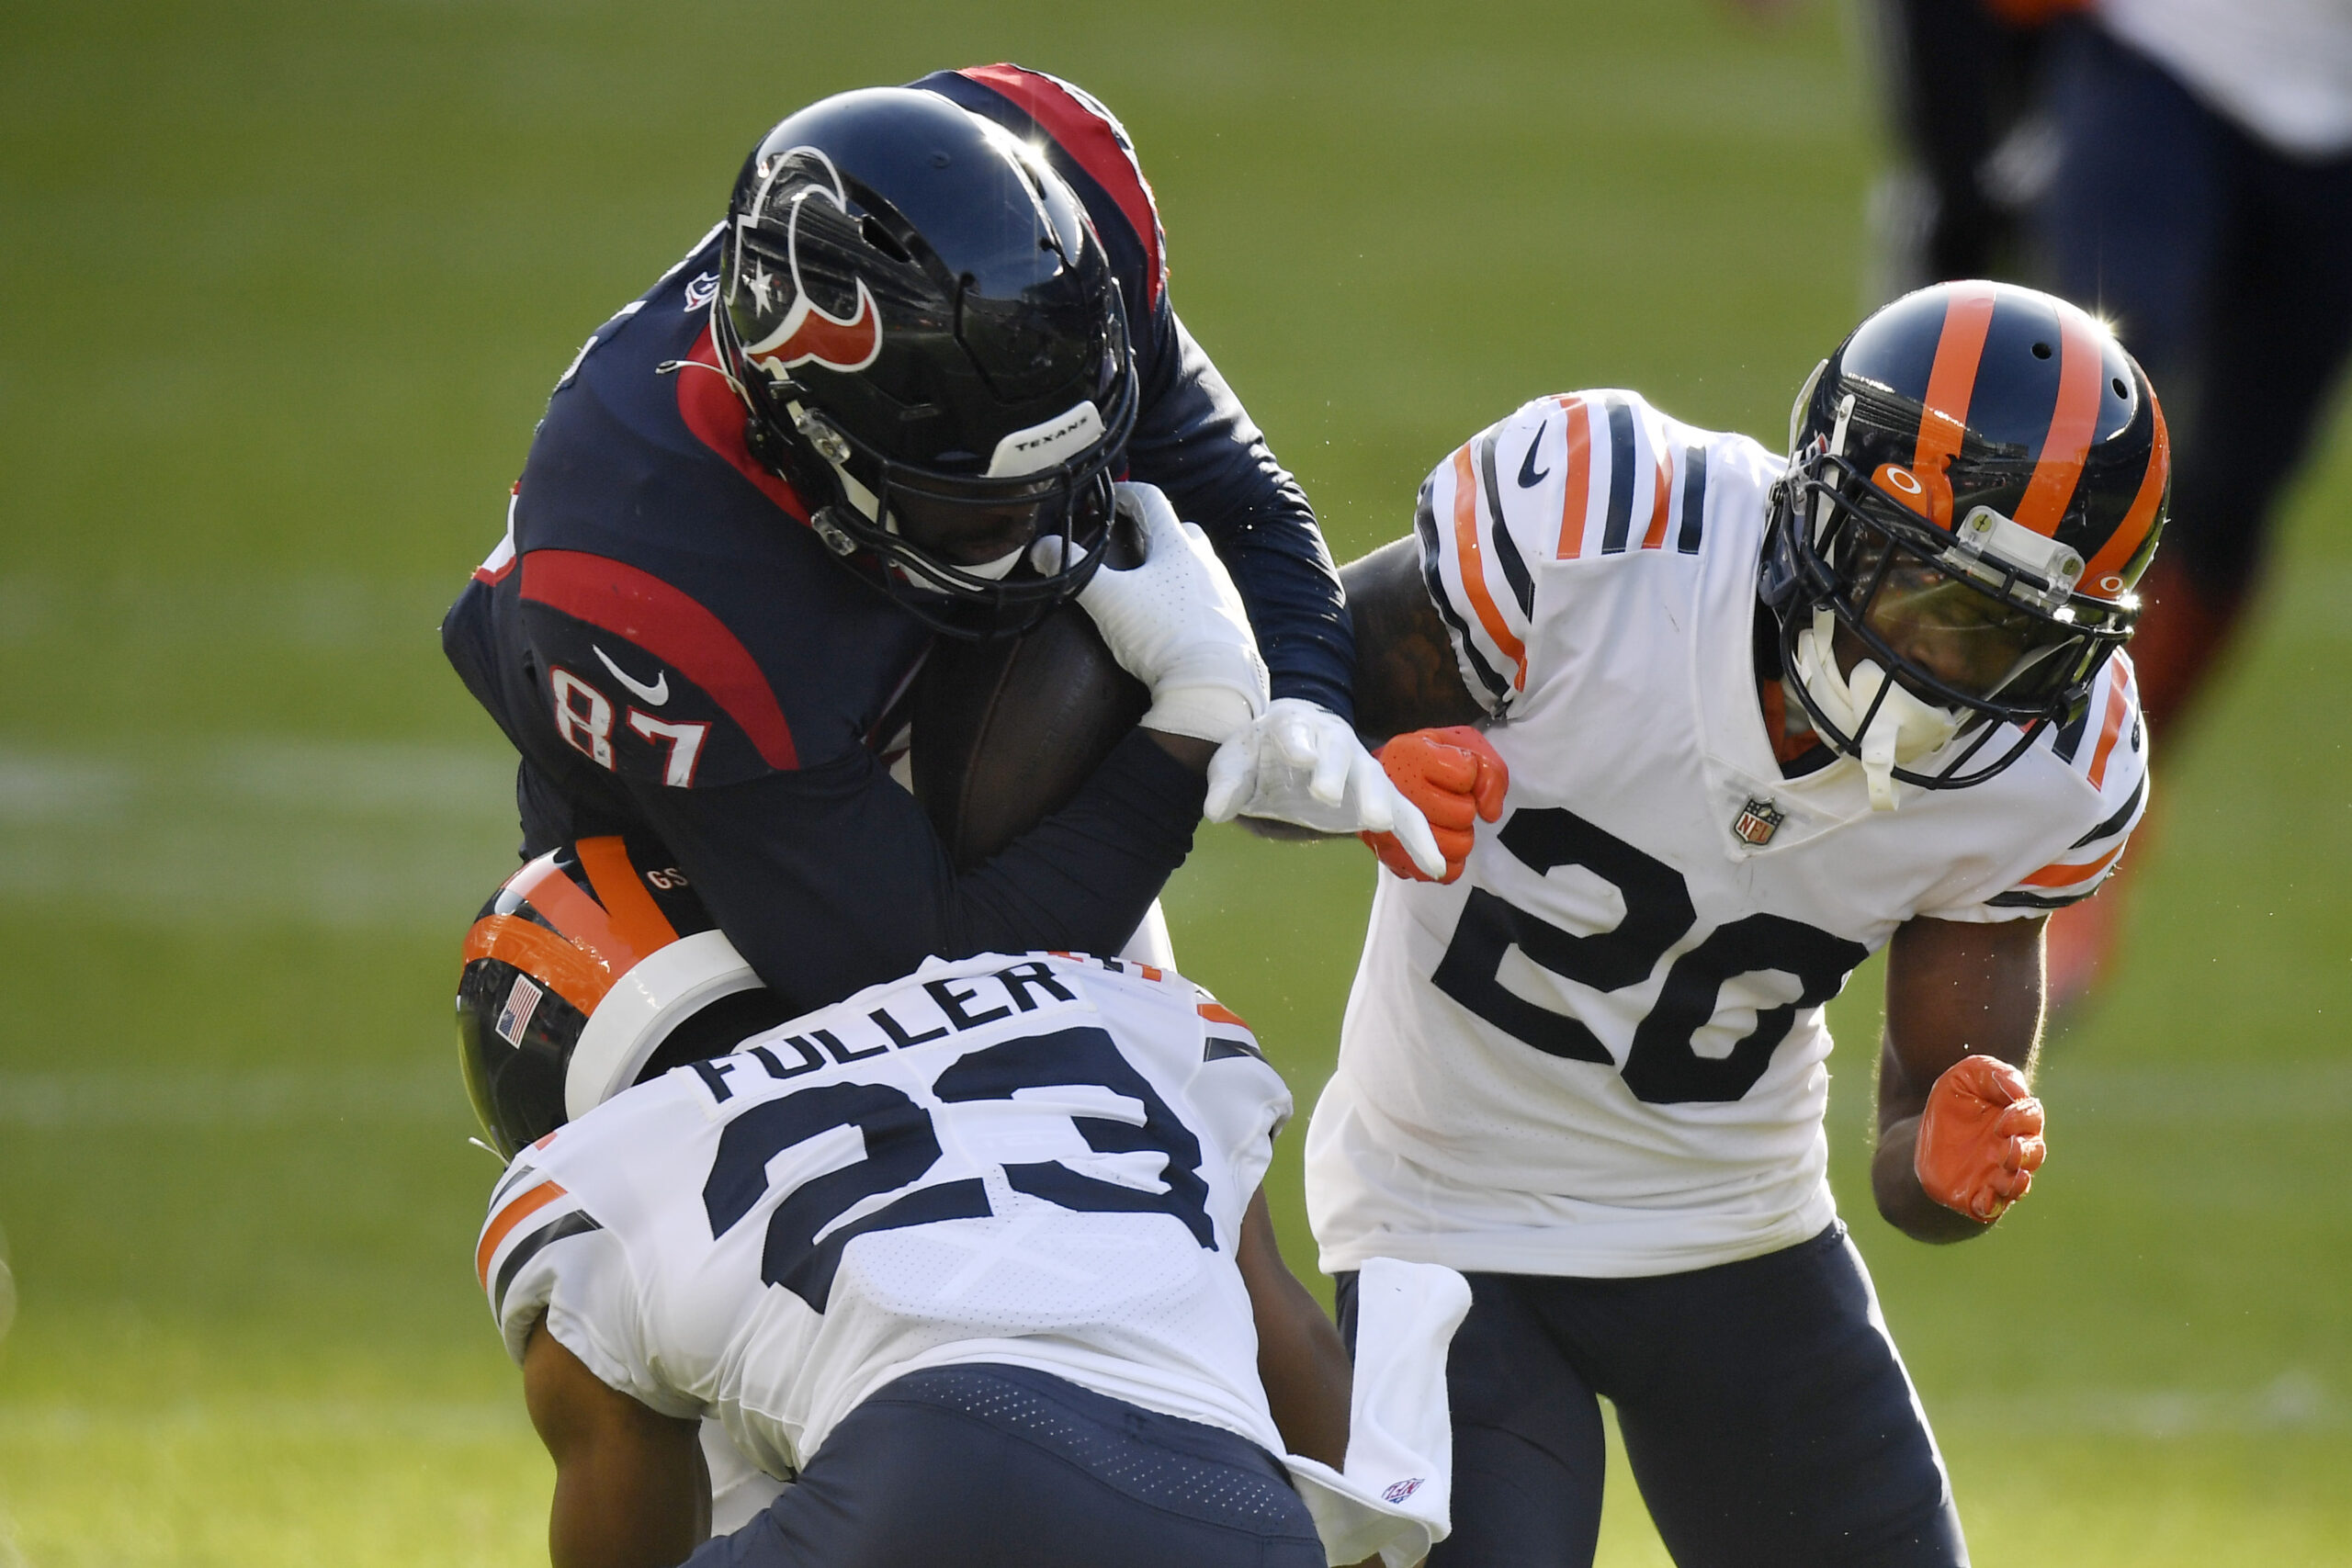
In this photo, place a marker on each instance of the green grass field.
(283, 289)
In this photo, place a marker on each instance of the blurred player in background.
(976, 1259)
(1760, 718)
(2201, 199)
(2183, 168)
(890, 397)
(1961, 80)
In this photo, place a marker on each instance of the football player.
(891, 398)
(976, 1258)
(1760, 718)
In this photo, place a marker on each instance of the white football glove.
(1302, 763)
(1176, 623)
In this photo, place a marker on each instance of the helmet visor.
(1954, 635)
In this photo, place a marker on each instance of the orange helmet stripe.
(1951, 383)
(575, 973)
(637, 919)
(2124, 543)
(504, 1224)
(2082, 372)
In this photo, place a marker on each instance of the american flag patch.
(521, 1003)
(1758, 821)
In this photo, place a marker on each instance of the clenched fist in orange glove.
(1979, 1138)
(1453, 776)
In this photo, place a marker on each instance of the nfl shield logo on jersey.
(1759, 820)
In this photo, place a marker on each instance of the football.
(1006, 731)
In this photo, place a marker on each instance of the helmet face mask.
(933, 350)
(1930, 537)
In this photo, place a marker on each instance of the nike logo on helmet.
(1528, 478)
(656, 694)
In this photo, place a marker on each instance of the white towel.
(1393, 1495)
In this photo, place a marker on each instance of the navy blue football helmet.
(933, 350)
(1977, 477)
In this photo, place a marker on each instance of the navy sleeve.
(830, 878)
(1194, 440)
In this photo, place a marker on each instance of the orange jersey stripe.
(2082, 372)
(575, 975)
(504, 1225)
(1217, 1012)
(637, 919)
(1473, 567)
(2110, 726)
(2121, 545)
(2064, 875)
(1951, 383)
(1660, 493)
(1578, 484)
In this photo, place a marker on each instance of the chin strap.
(1885, 721)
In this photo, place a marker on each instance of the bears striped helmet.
(1977, 477)
(592, 968)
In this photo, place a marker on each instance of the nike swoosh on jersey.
(656, 694)
(1528, 478)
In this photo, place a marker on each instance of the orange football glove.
(1979, 1138)
(1453, 776)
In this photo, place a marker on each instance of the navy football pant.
(1766, 1416)
(1002, 1467)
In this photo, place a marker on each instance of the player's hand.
(1450, 776)
(1302, 763)
(1176, 623)
(1979, 1138)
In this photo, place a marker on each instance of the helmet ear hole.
(870, 228)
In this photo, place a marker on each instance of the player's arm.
(631, 1487)
(1958, 1136)
(1406, 675)
(1301, 1359)
(1193, 439)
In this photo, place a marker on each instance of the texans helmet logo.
(807, 333)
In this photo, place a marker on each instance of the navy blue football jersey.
(672, 650)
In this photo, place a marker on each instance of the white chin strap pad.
(1904, 729)
(644, 1005)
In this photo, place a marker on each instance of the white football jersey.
(1601, 1052)
(1041, 1161)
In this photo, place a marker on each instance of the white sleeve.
(1579, 477)
(542, 1251)
(2108, 748)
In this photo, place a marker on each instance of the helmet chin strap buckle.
(1886, 722)
(836, 539)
